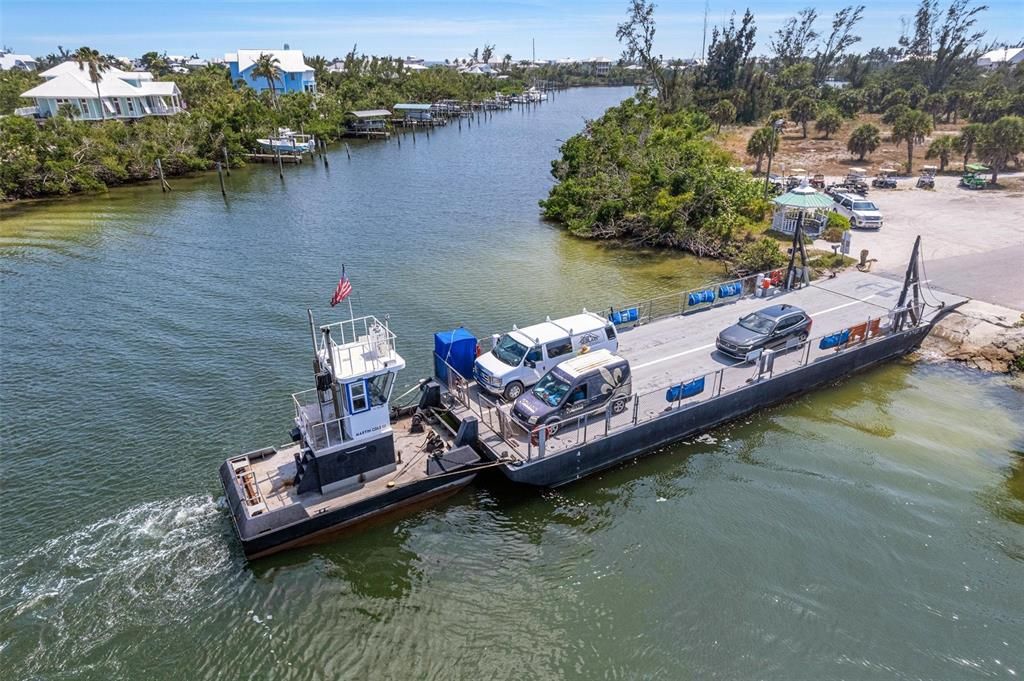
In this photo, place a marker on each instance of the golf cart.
(794, 180)
(818, 181)
(886, 179)
(855, 182)
(927, 179)
(971, 179)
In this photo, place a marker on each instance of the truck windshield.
(864, 205)
(757, 323)
(509, 350)
(551, 389)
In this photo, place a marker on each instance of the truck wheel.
(551, 428)
(802, 336)
(619, 405)
(513, 390)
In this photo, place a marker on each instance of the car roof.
(776, 311)
(581, 364)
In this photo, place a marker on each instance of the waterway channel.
(872, 530)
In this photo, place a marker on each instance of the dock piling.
(348, 152)
(164, 187)
(280, 165)
(220, 176)
(227, 166)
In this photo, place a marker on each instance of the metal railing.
(320, 433)
(654, 403)
(367, 337)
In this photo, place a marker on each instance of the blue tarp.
(834, 340)
(630, 314)
(458, 349)
(698, 297)
(733, 289)
(689, 389)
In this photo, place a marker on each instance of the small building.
(296, 75)
(368, 123)
(600, 66)
(122, 94)
(1004, 55)
(803, 203)
(17, 62)
(419, 113)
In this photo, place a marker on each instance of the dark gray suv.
(768, 328)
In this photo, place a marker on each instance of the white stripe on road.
(706, 347)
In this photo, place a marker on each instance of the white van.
(521, 356)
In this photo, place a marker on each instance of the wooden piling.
(280, 164)
(227, 166)
(348, 152)
(220, 176)
(164, 187)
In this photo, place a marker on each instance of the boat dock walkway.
(679, 350)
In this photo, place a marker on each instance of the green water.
(873, 530)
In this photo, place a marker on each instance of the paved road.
(996, 276)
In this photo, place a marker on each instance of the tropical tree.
(968, 138)
(893, 113)
(268, 66)
(723, 113)
(942, 147)
(803, 110)
(764, 141)
(912, 128)
(92, 61)
(897, 96)
(935, 104)
(864, 140)
(828, 123)
(506, 62)
(850, 102)
(1001, 142)
(487, 53)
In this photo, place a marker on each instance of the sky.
(430, 29)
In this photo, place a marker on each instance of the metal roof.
(556, 329)
(412, 107)
(370, 113)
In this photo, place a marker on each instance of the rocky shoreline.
(981, 335)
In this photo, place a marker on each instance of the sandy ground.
(815, 154)
(972, 241)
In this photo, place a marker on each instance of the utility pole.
(534, 41)
(704, 40)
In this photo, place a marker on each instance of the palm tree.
(267, 66)
(723, 113)
(912, 127)
(865, 139)
(942, 147)
(803, 110)
(968, 138)
(1001, 142)
(763, 142)
(97, 64)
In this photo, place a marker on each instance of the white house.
(122, 94)
(20, 62)
(1004, 55)
(600, 66)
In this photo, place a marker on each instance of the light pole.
(776, 127)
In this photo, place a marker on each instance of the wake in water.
(64, 603)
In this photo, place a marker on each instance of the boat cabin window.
(509, 351)
(358, 400)
(380, 389)
(559, 348)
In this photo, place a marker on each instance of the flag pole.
(351, 317)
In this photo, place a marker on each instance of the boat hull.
(573, 464)
(303, 529)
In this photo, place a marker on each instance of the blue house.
(296, 76)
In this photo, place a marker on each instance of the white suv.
(861, 212)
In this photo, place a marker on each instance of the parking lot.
(972, 241)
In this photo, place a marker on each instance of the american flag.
(344, 289)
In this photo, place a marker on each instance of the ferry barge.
(683, 387)
(352, 456)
